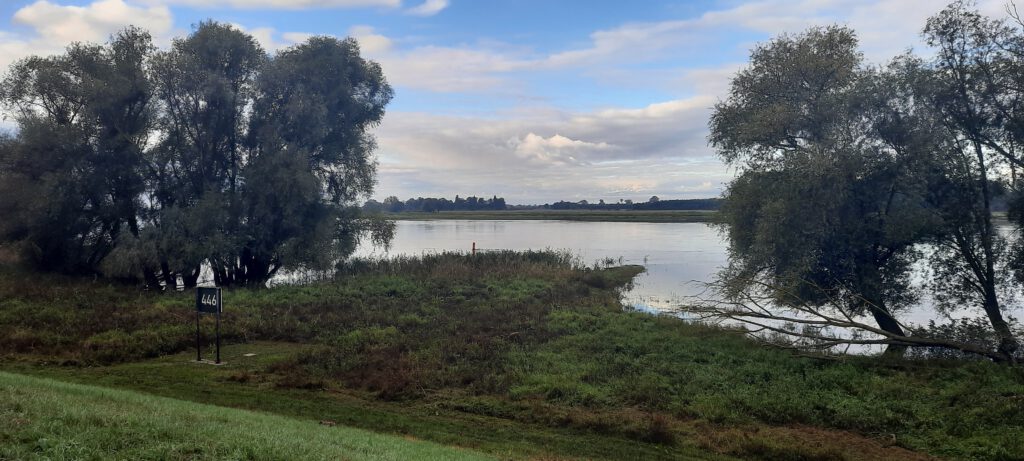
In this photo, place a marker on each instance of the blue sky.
(535, 101)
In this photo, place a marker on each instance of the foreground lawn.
(45, 419)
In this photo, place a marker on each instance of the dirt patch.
(800, 443)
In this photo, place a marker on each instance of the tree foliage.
(210, 154)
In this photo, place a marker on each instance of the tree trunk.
(870, 279)
(888, 323)
(152, 281)
(191, 278)
(170, 278)
(1008, 344)
(257, 272)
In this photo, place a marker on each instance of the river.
(679, 257)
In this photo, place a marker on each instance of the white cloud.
(428, 8)
(885, 27)
(436, 68)
(271, 40)
(295, 37)
(55, 26)
(556, 149)
(370, 42)
(92, 23)
(441, 68)
(280, 4)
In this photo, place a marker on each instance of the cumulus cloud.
(556, 149)
(428, 8)
(370, 42)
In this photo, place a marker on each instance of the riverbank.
(517, 355)
(668, 216)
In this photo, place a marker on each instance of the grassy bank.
(567, 215)
(515, 354)
(45, 419)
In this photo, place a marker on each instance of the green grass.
(240, 383)
(46, 419)
(655, 216)
(520, 355)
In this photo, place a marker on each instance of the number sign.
(208, 300)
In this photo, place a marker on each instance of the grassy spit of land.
(655, 216)
(519, 355)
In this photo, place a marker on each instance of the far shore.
(657, 216)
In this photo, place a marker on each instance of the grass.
(520, 355)
(654, 216)
(241, 383)
(46, 419)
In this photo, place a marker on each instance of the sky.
(532, 100)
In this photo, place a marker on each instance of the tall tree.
(824, 211)
(974, 84)
(309, 151)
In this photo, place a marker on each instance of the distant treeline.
(653, 204)
(395, 205)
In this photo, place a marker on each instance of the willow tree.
(825, 210)
(309, 159)
(260, 159)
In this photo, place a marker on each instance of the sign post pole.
(199, 354)
(219, 307)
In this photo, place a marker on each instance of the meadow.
(520, 355)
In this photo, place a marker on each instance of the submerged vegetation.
(461, 349)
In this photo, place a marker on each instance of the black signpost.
(208, 300)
